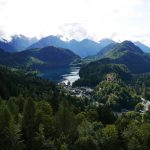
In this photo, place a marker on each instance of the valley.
(74, 74)
(51, 98)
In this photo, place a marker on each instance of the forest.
(36, 114)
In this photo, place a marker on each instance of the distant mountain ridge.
(17, 43)
(21, 42)
(83, 48)
(6, 46)
(144, 47)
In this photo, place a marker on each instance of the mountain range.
(21, 42)
(17, 43)
(83, 48)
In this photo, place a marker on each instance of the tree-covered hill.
(95, 72)
(39, 58)
(130, 55)
(110, 50)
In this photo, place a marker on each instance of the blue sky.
(94, 19)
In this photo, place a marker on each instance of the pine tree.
(65, 117)
(28, 125)
(10, 133)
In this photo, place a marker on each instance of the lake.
(70, 74)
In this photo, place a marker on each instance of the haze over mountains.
(6, 46)
(83, 48)
(17, 43)
(145, 48)
(21, 42)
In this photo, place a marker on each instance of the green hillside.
(39, 58)
(93, 73)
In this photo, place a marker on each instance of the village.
(81, 92)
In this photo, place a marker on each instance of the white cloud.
(76, 18)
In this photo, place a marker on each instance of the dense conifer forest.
(36, 114)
